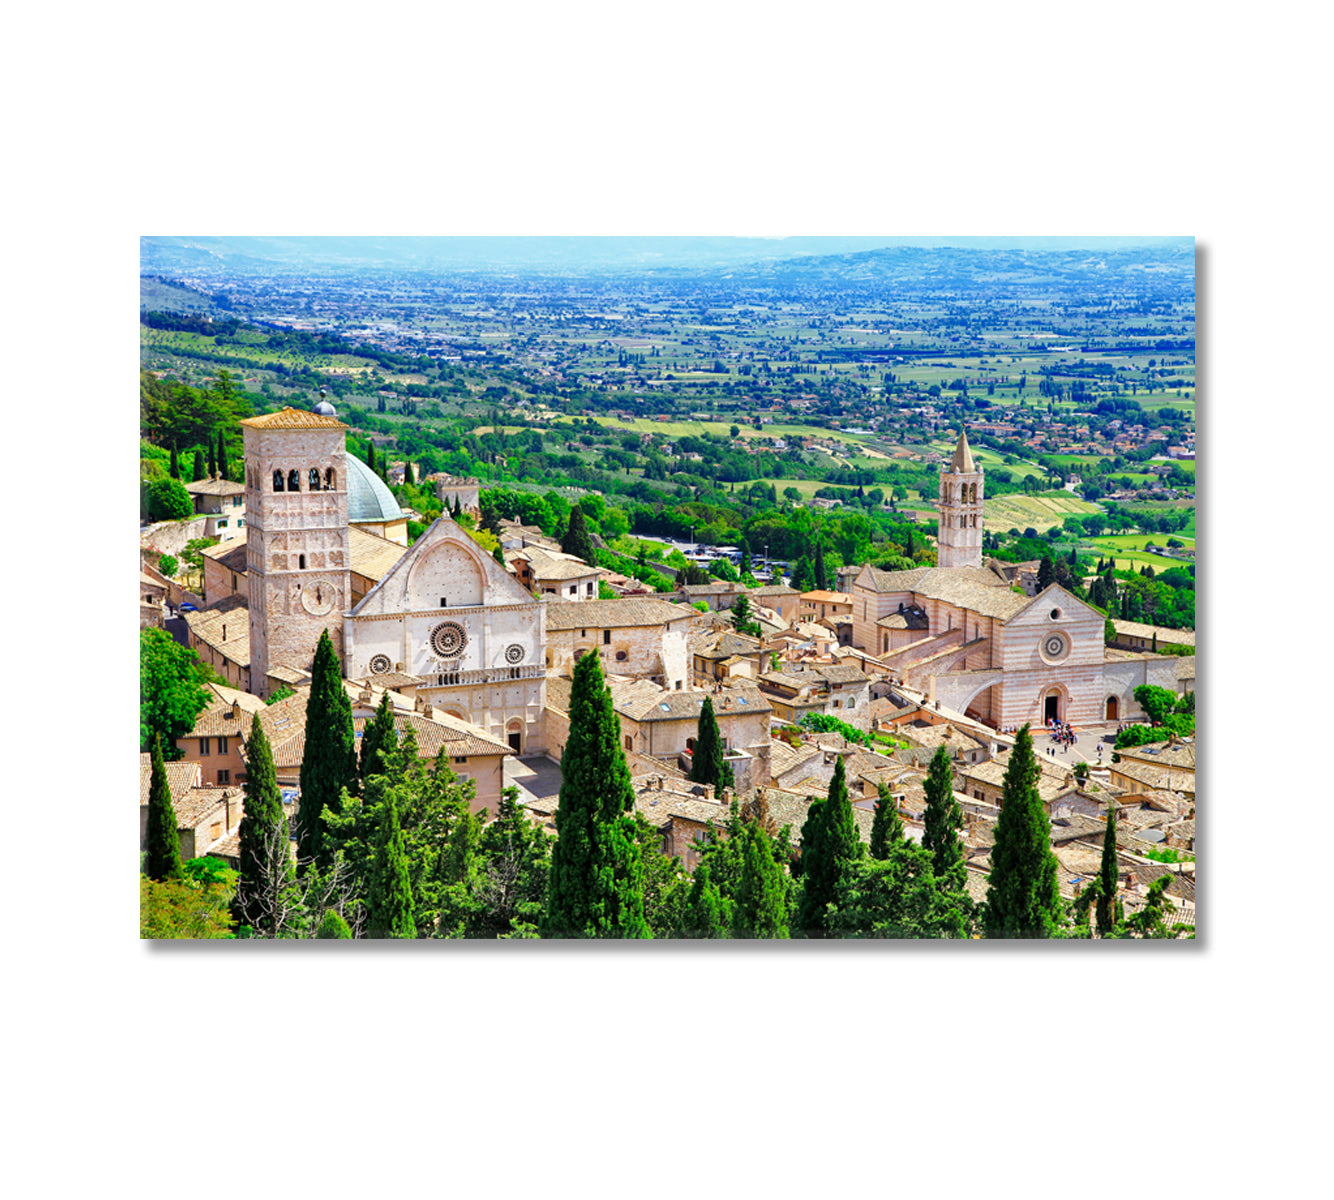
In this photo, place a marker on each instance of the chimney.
(236, 709)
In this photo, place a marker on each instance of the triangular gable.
(500, 585)
(1052, 596)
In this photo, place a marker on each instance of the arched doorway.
(514, 734)
(1113, 709)
(1051, 705)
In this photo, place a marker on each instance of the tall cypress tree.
(1105, 914)
(388, 888)
(378, 740)
(370, 455)
(943, 818)
(199, 469)
(1046, 572)
(707, 763)
(577, 540)
(1022, 896)
(329, 763)
(887, 828)
(174, 470)
(597, 872)
(760, 909)
(212, 460)
(265, 855)
(829, 843)
(163, 842)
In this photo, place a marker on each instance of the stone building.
(457, 489)
(639, 636)
(222, 503)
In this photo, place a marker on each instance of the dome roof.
(367, 497)
(325, 409)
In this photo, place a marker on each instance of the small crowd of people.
(1061, 734)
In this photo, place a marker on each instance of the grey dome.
(367, 497)
(325, 409)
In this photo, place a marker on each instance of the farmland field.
(1021, 512)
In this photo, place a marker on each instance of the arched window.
(277, 481)
(329, 479)
(314, 479)
(301, 562)
(293, 481)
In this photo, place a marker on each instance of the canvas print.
(668, 588)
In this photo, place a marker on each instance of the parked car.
(186, 606)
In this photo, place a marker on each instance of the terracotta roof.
(371, 555)
(214, 487)
(1175, 637)
(181, 777)
(196, 805)
(642, 701)
(612, 614)
(293, 418)
(230, 554)
(827, 597)
(442, 734)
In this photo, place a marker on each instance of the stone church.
(962, 633)
(446, 612)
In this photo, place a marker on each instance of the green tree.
(378, 738)
(165, 500)
(577, 540)
(263, 898)
(1107, 877)
(821, 571)
(596, 869)
(1046, 572)
(174, 469)
(200, 471)
(329, 763)
(167, 565)
(389, 900)
(180, 908)
(1157, 702)
(332, 925)
(943, 819)
(741, 621)
(707, 912)
(829, 844)
(897, 897)
(708, 763)
(1022, 896)
(760, 909)
(887, 828)
(163, 860)
(171, 689)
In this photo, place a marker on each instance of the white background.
(533, 1069)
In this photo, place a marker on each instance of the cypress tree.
(1046, 572)
(388, 888)
(760, 909)
(212, 460)
(707, 763)
(829, 843)
(162, 841)
(379, 739)
(370, 455)
(199, 466)
(706, 914)
(222, 455)
(408, 476)
(942, 819)
(329, 763)
(597, 873)
(577, 540)
(1022, 897)
(821, 574)
(174, 470)
(887, 828)
(1105, 913)
(458, 508)
(499, 555)
(265, 857)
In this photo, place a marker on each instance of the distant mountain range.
(577, 255)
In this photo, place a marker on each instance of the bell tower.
(297, 551)
(959, 539)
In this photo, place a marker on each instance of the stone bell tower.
(297, 552)
(959, 541)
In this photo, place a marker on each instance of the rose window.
(380, 664)
(448, 639)
(514, 654)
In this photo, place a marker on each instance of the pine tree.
(1107, 876)
(379, 739)
(887, 828)
(829, 843)
(597, 873)
(707, 762)
(389, 911)
(162, 841)
(329, 763)
(577, 540)
(1022, 897)
(264, 851)
(942, 819)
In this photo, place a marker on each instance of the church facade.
(446, 611)
(965, 636)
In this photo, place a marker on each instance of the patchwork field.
(1021, 512)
